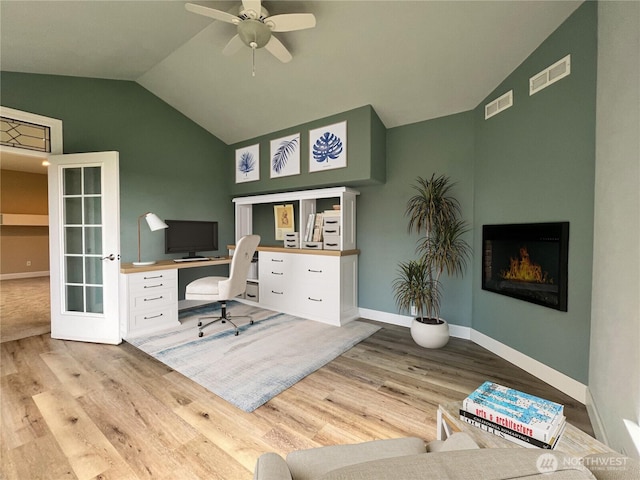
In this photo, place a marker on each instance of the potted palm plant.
(434, 214)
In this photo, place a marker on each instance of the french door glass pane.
(93, 240)
(92, 181)
(93, 211)
(82, 202)
(73, 240)
(72, 181)
(93, 272)
(75, 298)
(94, 300)
(73, 211)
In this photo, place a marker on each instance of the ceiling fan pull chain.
(253, 62)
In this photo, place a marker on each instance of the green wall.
(443, 146)
(168, 164)
(535, 163)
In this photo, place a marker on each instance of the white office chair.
(221, 289)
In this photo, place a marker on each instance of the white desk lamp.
(154, 224)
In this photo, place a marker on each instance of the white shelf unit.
(306, 205)
(319, 285)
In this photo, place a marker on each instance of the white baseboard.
(557, 379)
(13, 276)
(596, 421)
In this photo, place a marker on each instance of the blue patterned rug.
(266, 358)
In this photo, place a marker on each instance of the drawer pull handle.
(251, 296)
(314, 271)
(277, 273)
(277, 293)
(151, 278)
(154, 286)
(156, 298)
(315, 299)
(331, 222)
(277, 260)
(154, 316)
(332, 244)
(332, 231)
(311, 246)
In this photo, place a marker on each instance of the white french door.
(84, 223)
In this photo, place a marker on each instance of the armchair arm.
(271, 466)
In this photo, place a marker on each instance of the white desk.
(149, 294)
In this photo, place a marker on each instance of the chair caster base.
(237, 333)
(251, 322)
(200, 334)
(199, 324)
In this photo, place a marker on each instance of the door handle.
(111, 257)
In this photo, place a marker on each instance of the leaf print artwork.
(282, 154)
(247, 163)
(328, 146)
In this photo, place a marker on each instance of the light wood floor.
(24, 308)
(75, 410)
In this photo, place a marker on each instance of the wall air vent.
(498, 105)
(550, 75)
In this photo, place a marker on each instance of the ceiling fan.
(255, 26)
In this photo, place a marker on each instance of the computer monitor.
(191, 237)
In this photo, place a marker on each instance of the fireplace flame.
(524, 270)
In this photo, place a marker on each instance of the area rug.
(265, 359)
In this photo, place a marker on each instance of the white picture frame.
(328, 147)
(285, 156)
(247, 164)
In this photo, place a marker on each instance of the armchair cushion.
(311, 464)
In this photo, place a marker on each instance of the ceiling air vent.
(550, 75)
(498, 105)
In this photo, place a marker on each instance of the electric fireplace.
(528, 261)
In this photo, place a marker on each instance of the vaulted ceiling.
(411, 60)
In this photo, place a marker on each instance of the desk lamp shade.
(154, 224)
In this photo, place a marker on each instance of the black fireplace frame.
(556, 232)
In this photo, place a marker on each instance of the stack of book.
(516, 416)
(314, 228)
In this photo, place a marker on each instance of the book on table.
(511, 435)
(523, 413)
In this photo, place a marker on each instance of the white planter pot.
(430, 336)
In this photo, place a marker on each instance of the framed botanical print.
(248, 164)
(285, 156)
(328, 147)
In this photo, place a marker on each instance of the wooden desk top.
(170, 264)
(573, 441)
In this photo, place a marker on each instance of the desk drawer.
(141, 283)
(154, 319)
(153, 298)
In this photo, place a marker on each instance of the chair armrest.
(271, 466)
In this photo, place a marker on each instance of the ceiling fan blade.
(233, 46)
(253, 5)
(212, 13)
(288, 22)
(278, 50)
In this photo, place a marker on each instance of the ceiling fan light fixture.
(254, 31)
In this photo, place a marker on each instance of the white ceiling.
(411, 60)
